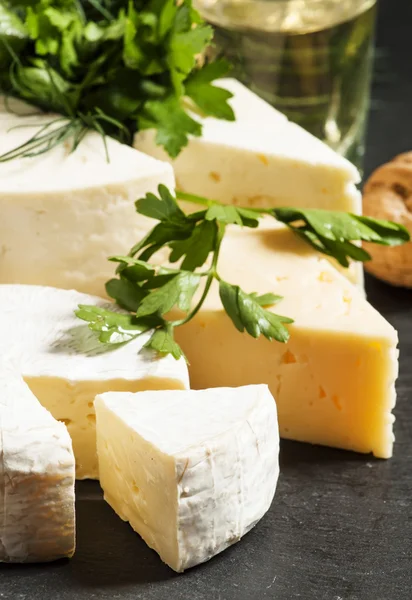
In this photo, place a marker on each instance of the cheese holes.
(288, 358)
(215, 176)
(336, 402)
(263, 159)
(325, 277)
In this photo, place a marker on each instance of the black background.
(340, 527)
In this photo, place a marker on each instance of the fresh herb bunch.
(110, 65)
(149, 292)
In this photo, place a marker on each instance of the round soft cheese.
(64, 213)
(52, 367)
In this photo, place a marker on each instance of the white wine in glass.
(311, 59)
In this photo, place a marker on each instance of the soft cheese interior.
(65, 366)
(191, 471)
(64, 213)
(334, 380)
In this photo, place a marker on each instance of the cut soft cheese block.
(65, 366)
(261, 160)
(334, 380)
(37, 471)
(191, 471)
(64, 213)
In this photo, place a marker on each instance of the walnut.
(388, 195)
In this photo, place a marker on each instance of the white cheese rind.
(50, 360)
(64, 214)
(191, 471)
(37, 469)
(65, 365)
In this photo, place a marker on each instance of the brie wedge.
(64, 213)
(191, 471)
(334, 380)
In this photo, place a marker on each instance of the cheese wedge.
(262, 160)
(65, 366)
(36, 478)
(334, 380)
(191, 471)
(63, 214)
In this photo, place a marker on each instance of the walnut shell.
(387, 194)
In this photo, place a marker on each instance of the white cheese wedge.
(334, 380)
(65, 366)
(36, 477)
(63, 214)
(262, 160)
(191, 471)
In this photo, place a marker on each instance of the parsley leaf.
(232, 215)
(113, 327)
(172, 123)
(332, 233)
(246, 312)
(177, 291)
(211, 99)
(195, 248)
(162, 341)
(183, 49)
(164, 209)
(266, 299)
(150, 292)
(223, 213)
(133, 269)
(13, 37)
(114, 66)
(127, 294)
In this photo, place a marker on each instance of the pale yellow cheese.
(71, 402)
(334, 380)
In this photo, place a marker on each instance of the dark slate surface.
(341, 524)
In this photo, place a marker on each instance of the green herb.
(332, 233)
(113, 66)
(149, 292)
(13, 35)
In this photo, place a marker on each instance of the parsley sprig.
(113, 66)
(148, 292)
